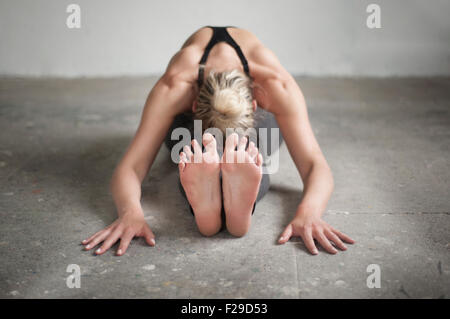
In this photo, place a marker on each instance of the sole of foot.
(200, 178)
(241, 178)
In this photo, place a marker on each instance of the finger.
(124, 243)
(325, 243)
(242, 144)
(197, 151)
(86, 241)
(335, 239)
(343, 236)
(112, 238)
(209, 142)
(97, 240)
(149, 236)
(187, 150)
(309, 241)
(286, 235)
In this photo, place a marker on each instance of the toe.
(259, 160)
(242, 144)
(209, 142)
(182, 162)
(231, 142)
(252, 151)
(230, 147)
(188, 153)
(241, 154)
(181, 166)
(197, 151)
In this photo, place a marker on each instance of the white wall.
(310, 37)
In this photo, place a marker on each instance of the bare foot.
(199, 175)
(241, 177)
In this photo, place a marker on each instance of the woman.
(228, 87)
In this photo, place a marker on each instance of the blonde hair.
(225, 101)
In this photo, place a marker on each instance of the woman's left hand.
(309, 226)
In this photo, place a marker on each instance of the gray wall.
(310, 37)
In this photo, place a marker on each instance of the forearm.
(288, 104)
(159, 112)
(311, 164)
(317, 190)
(126, 191)
(168, 97)
(305, 151)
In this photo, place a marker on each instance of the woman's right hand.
(124, 228)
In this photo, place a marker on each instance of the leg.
(184, 120)
(241, 178)
(200, 178)
(263, 187)
(264, 119)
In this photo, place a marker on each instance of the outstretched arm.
(169, 96)
(285, 100)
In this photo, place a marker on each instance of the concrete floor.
(386, 140)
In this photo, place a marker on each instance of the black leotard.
(220, 34)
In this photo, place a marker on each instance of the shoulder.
(183, 65)
(266, 65)
(273, 83)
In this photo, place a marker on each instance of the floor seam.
(296, 273)
(388, 213)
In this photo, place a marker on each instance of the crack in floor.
(386, 213)
(296, 274)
